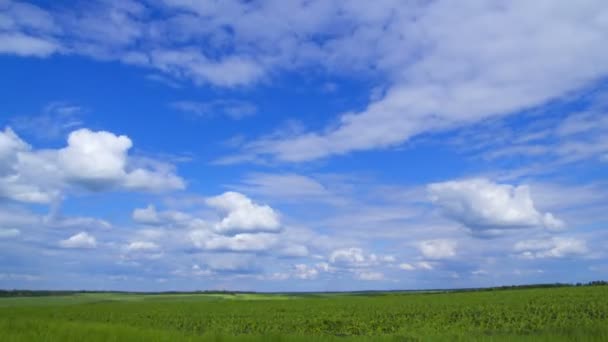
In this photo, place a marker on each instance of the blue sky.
(302, 145)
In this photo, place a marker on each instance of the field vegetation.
(534, 314)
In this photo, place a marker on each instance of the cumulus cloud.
(350, 256)
(303, 271)
(438, 249)
(80, 240)
(244, 242)
(95, 161)
(487, 208)
(241, 214)
(556, 247)
(356, 258)
(241, 226)
(98, 160)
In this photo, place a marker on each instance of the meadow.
(539, 314)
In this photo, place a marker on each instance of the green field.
(547, 314)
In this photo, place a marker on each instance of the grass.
(550, 314)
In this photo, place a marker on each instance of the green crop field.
(544, 314)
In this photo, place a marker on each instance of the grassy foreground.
(550, 314)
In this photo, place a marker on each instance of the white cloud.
(230, 71)
(80, 240)
(94, 161)
(241, 214)
(94, 158)
(421, 265)
(147, 215)
(488, 207)
(290, 187)
(347, 256)
(243, 242)
(576, 137)
(375, 276)
(556, 247)
(150, 216)
(303, 271)
(356, 258)
(142, 246)
(24, 45)
(9, 233)
(437, 82)
(98, 160)
(407, 267)
(438, 249)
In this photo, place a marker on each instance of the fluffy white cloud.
(347, 256)
(488, 207)
(80, 240)
(241, 214)
(91, 160)
(244, 242)
(438, 249)
(15, 177)
(94, 158)
(242, 226)
(98, 160)
(556, 247)
(10, 146)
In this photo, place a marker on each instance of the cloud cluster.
(556, 247)
(242, 226)
(352, 261)
(356, 258)
(489, 208)
(438, 249)
(432, 79)
(450, 83)
(93, 161)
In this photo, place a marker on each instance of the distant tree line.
(43, 293)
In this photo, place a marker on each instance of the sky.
(302, 145)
